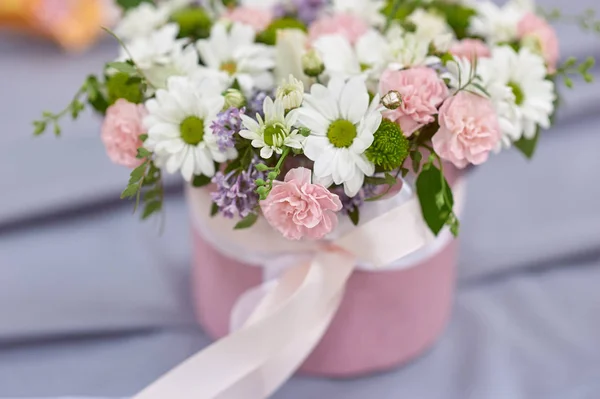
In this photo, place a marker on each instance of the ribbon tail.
(273, 340)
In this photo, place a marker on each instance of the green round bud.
(390, 147)
(312, 64)
(119, 86)
(269, 35)
(193, 22)
(234, 98)
(272, 175)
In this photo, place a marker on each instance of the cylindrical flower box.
(386, 318)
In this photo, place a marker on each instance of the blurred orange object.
(74, 24)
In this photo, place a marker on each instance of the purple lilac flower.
(235, 191)
(227, 124)
(305, 10)
(349, 204)
(255, 105)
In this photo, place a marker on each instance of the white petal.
(266, 152)
(314, 146)
(354, 100)
(353, 186)
(313, 120)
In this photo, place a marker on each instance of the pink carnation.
(297, 208)
(121, 130)
(258, 18)
(422, 92)
(469, 129)
(470, 48)
(347, 25)
(532, 26)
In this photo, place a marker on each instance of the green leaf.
(39, 127)
(123, 67)
(201, 181)
(528, 146)
(214, 209)
(376, 181)
(57, 129)
(130, 191)
(137, 174)
(143, 137)
(247, 222)
(416, 158)
(152, 194)
(128, 4)
(143, 153)
(133, 80)
(431, 186)
(151, 208)
(354, 216)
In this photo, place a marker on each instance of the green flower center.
(341, 133)
(192, 130)
(275, 134)
(390, 147)
(230, 67)
(519, 95)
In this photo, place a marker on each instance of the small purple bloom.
(227, 124)
(349, 204)
(305, 10)
(236, 191)
(255, 105)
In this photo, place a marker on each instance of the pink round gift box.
(386, 318)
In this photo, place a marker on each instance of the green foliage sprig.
(145, 186)
(572, 68)
(587, 21)
(90, 92)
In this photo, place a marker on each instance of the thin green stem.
(124, 46)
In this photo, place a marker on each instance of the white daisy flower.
(179, 131)
(161, 55)
(518, 87)
(498, 24)
(231, 55)
(141, 21)
(275, 131)
(458, 75)
(407, 49)
(369, 10)
(368, 58)
(290, 92)
(342, 125)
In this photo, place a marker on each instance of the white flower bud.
(291, 92)
(234, 99)
(392, 100)
(312, 63)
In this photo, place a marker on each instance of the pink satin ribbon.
(292, 316)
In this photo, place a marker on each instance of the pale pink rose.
(297, 208)
(469, 129)
(258, 18)
(347, 25)
(422, 92)
(121, 130)
(470, 48)
(533, 27)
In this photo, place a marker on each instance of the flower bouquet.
(323, 144)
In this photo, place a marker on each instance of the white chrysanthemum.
(369, 10)
(342, 125)
(432, 26)
(231, 54)
(179, 127)
(141, 21)
(498, 24)
(290, 92)
(460, 74)
(368, 58)
(531, 96)
(408, 49)
(275, 131)
(161, 55)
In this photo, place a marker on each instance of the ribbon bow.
(294, 312)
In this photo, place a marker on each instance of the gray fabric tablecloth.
(94, 303)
